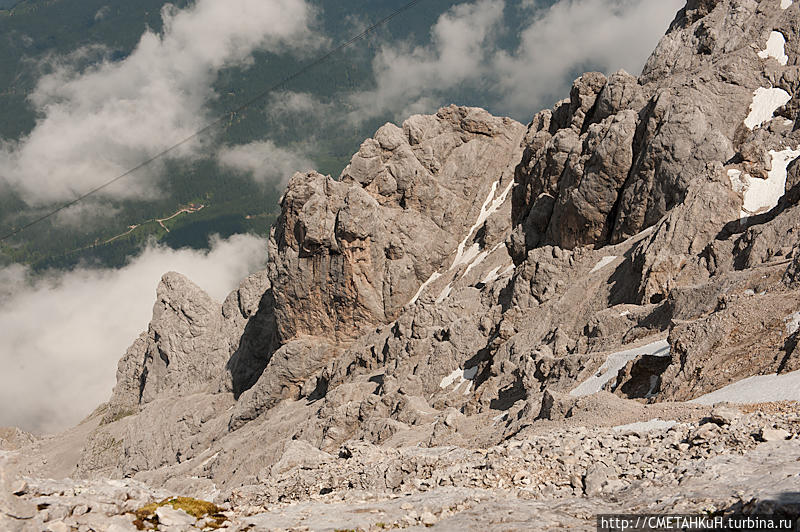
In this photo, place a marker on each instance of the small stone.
(597, 476)
(19, 488)
(80, 510)
(770, 434)
(427, 519)
(57, 526)
(169, 516)
(723, 415)
(704, 433)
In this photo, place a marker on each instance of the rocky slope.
(473, 306)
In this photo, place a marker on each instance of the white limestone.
(646, 426)
(792, 323)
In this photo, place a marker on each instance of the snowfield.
(615, 362)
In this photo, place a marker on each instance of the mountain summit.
(483, 325)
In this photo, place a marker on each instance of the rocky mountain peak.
(351, 253)
(471, 293)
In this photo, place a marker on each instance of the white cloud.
(264, 161)
(558, 41)
(61, 336)
(573, 35)
(406, 76)
(287, 103)
(98, 122)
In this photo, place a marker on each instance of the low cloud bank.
(100, 121)
(61, 336)
(264, 161)
(555, 42)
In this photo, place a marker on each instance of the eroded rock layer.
(468, 284)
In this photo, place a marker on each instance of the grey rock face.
(470, 297)
(348, 254)
(194, 344)
(15, 512)
(685, 111)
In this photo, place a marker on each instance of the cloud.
(407, 77)
(574, 35)
(97, 122)
(285, 104)
(61, 336)
(264, 161)
(555, 43)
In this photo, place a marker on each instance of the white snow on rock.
(483, 254)
(761, 195)
(445, 293)
(605, 261)
(431, 279)
(757, 389)
(765, 103)
(646, 426)
(492, 275)
(785, 4)
(775, 48)
(792, 323)
(462, 376)
(615, 362)
(489, 207)
(464, 254)
(509, 269)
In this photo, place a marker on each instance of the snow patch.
(491, 276)
(761, 195)
(482, 256)
(757, 389)
(465, 375)
(210, 458)
(489, 207)
(785, 4)
(605, 261)
(775, 48)
(765, 103)
(615, 362)
(450, 379)
(624, 313)
(792, 323)
(445, 293)
(646, 426)
(431, 279)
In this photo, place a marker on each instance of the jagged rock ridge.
(469, 282)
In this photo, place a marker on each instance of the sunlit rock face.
(548, 294)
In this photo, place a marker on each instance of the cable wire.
(229, 114)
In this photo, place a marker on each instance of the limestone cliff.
(469, 282)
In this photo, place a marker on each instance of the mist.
(62, 335)
(555, 42)
(99, 121)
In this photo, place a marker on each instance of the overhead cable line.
(229, 114)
